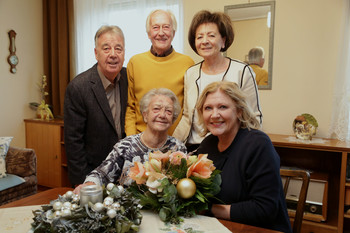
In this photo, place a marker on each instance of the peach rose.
(138, 173)
(175, 157)
(153, 165)
(164, 157)
(191, 160)
(202, 168)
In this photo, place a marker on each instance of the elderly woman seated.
(159, 108)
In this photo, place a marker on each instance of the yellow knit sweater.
(261, 75)
(146, 71)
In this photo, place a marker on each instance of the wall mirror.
(253, 24)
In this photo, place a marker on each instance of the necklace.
(152, 148)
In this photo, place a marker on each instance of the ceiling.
(248, 13)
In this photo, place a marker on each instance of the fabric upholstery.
(20, 162)
(10, 181)
(4, 146)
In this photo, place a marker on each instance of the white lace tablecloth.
(18, 219)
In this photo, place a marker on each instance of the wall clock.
(12, 58)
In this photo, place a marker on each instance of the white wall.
(306, 52)
(17, 90)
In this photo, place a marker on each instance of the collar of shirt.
(162, 55)
(105, 81)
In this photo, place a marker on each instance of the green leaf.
(169, 193)
(178, 171)
(164, 214)
(200, 196)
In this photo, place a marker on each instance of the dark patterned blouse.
(115, 168)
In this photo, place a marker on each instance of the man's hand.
(77, 189)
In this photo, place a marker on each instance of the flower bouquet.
(119, 212)
(175, 184)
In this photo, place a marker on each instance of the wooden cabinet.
(46, 138)
(327, 156)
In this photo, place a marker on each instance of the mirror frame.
(271, 35)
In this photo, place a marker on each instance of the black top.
(251, 180)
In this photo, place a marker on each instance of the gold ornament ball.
(186, 188)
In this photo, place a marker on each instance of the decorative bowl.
(305, 126)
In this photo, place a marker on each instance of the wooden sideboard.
(46, 138)
(326, 156)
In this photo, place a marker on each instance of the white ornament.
(75, 199)
(111, 213)
(66, 212)
(57, 205)
(57, 213)
(110, 186)
(74, 206)
(69, 194)
(108, 201)
(98, 207)
(116, 205)
(67, 205)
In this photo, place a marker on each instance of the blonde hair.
(246, 117)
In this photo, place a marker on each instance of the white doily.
(313, 141)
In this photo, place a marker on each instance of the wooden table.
(46, 196)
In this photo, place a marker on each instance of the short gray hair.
(168, 12)
(146, 100)
(255, 55)
(109, 28)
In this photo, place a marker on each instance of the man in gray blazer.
(94, 106)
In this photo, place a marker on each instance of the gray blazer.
(89, 130)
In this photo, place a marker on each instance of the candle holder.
(91, 193)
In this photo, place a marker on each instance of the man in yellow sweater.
(256, 58)
(161, 66)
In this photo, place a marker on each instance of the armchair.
(20, 162)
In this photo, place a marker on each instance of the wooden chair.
(305, 177)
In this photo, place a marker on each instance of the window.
(129, 15)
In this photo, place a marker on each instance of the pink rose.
(175, 157)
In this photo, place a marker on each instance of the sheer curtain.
(340, 124)
(129, 15)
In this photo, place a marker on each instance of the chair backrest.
(305, 177)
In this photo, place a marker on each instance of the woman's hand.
(77, 189)
(221, 211)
